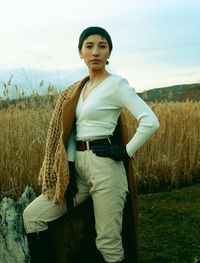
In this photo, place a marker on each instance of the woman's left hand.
(72, 189)
(106, 149)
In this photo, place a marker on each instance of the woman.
(89, 125)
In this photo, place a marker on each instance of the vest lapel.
(69, 109)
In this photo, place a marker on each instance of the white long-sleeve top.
(97, 115)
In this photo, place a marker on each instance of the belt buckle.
(87, 145)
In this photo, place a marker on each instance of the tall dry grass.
(170, 158)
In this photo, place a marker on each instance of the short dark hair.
(94, 30)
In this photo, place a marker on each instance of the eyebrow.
(101, 42)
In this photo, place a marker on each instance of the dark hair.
(94, 30)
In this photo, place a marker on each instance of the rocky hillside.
(173, 93)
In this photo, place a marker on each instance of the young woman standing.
(86, 146)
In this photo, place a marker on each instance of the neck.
(95, 75)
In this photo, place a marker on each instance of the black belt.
(86, 145)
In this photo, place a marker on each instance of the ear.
(80, 53)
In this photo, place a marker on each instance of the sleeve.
(71, 146)
(148, 122)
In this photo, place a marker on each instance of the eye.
(102, 46)
(89, 46)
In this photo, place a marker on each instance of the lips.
(95, 60)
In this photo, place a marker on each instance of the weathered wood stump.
(13, 242)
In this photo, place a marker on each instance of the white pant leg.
(41, 211)
(108, 188)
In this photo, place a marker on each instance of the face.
(95, 52)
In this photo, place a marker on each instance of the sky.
(156, 43)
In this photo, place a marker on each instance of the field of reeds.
(169, 159)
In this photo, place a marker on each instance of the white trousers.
(104, 179)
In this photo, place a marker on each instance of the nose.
(95, 51)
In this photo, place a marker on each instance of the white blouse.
(97, 115)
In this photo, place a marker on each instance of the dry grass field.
(169, 159)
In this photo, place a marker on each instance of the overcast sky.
(156, 42)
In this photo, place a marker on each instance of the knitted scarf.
(54, 173)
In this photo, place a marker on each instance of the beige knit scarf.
(54, 173)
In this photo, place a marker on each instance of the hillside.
(172, 93)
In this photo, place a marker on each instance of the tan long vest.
(54, 173)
